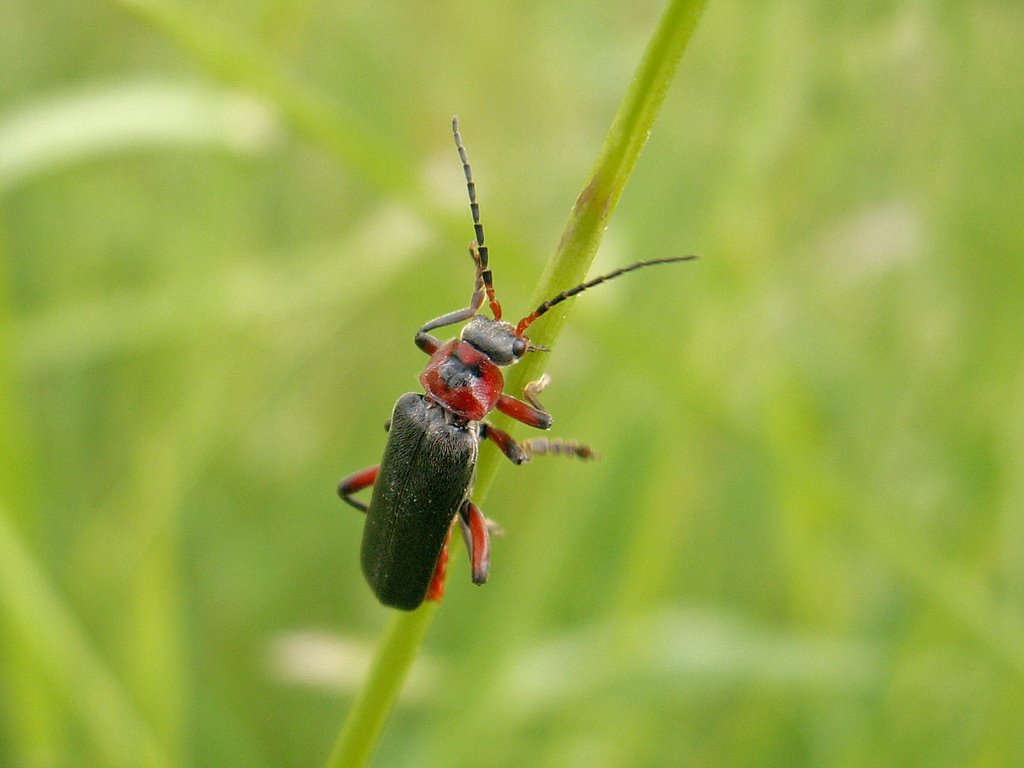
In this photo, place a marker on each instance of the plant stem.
(570, 262)
(371, 709)
(585, 228)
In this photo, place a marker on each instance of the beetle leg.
(505, 442)
(426, 342)
(475, 532)
(534, 388)
(539, 446)
(356, 482)
(423, 339)
(530, 412)
(524, 412)
(436, 589)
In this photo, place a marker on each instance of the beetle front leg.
(426, 342)
(481, 287)
(531, 412)
(534, 388)
(475, 532)
(356, 482)
(527, 414)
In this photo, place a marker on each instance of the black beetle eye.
(518, 347)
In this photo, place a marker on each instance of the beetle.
(424, 480)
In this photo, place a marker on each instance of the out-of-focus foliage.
(220, 225)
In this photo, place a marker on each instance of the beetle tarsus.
(534, 388)
(540, 446)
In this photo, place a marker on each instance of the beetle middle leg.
(519, 452)
(540, 446)
(533, 413)
(504, 441)
(356, 482)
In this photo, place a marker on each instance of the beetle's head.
(497, 339)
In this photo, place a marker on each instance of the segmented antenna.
(526, 321)
(478, 246)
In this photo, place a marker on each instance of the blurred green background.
(220, 225)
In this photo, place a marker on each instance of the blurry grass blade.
(595, 205)
(395, 654)
(688, 647)
(229, 56)
(339, 664)
(625, 140)
(39, 713)
(955, 591)
(45, 623)
(110, 118)
(334, 275)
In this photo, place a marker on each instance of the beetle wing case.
(424, 476)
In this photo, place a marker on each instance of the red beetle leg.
(436, 589)
(524, 412)
(475, 532)
(505, 442)
(356, 482)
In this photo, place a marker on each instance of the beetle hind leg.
(505, 442)
(436, 589)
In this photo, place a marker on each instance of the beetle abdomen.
(424, 476)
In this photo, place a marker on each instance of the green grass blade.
(234, 59)
(595, 205)
(64, 652)
(371, 709)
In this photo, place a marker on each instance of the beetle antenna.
(526, 321)
(477, 248)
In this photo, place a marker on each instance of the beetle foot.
(534, 388)
(540, 446)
